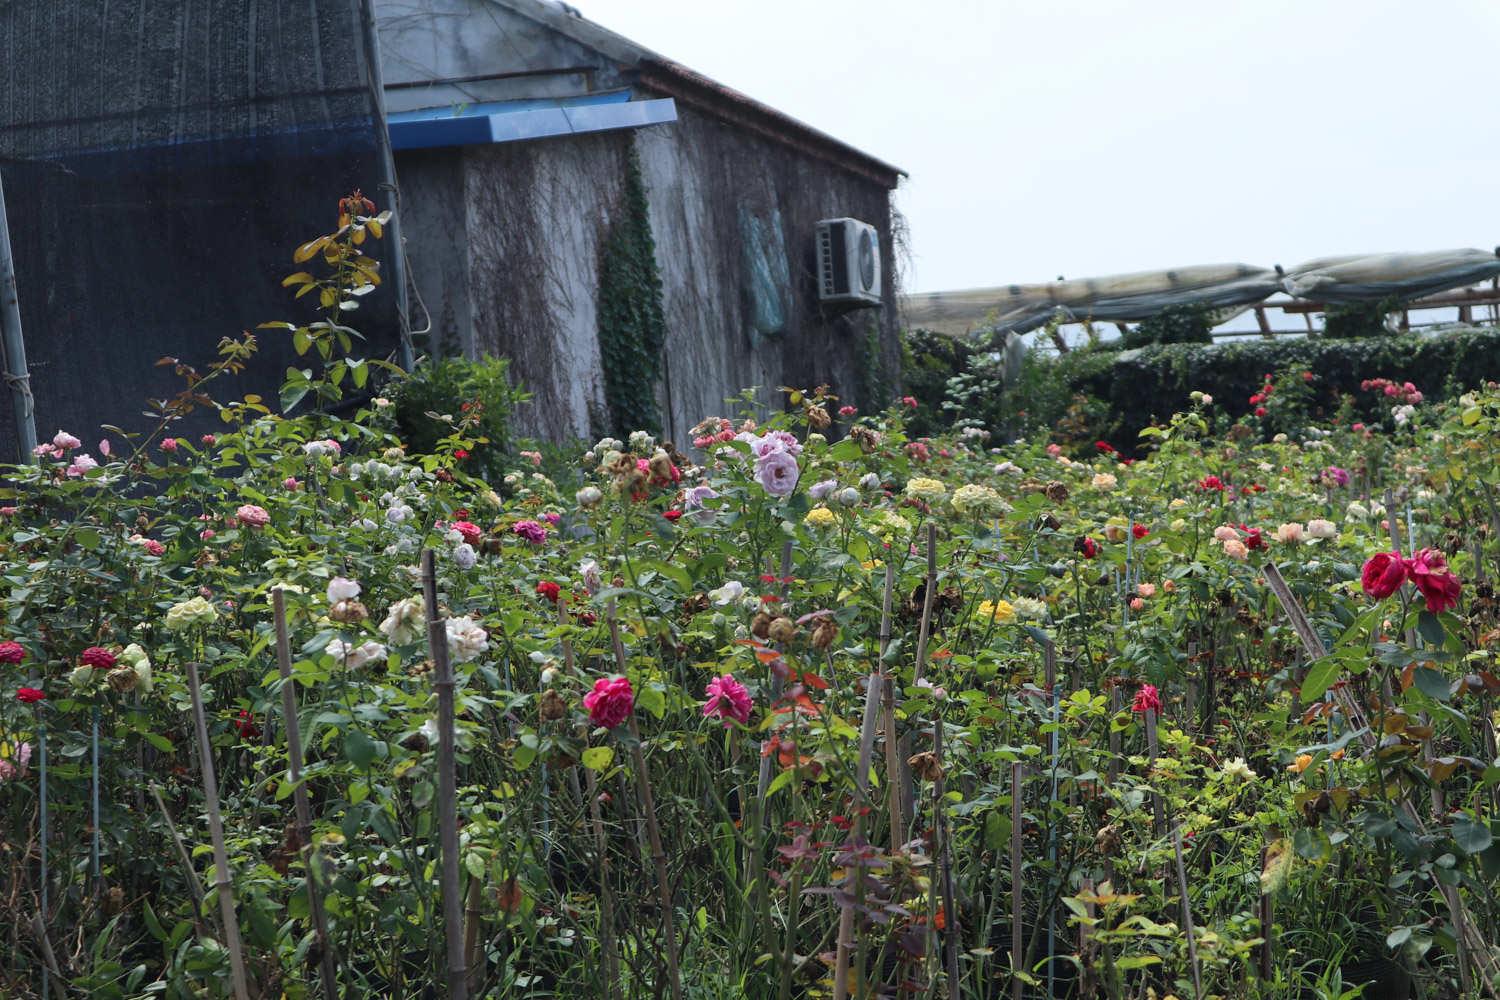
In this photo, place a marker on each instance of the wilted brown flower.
(350, 612)
(925, 766)
(818, 418)
(760, 625)
(824, 633)
(122, 679)
(782, 630)
(1056, 492)
(551, 706)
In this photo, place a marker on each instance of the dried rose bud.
(782, 630)
(551, 706)
(824, 633)
(818, 418)
(760, 625)
(925, 766)
(1056, 492)
(122, 679)
(349, 612)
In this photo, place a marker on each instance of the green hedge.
(1147, 385)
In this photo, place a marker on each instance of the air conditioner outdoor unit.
(848, 262)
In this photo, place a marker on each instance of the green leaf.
(651, 698)
(89, 538)
(780, 781)
(1397, 937)
(1320, 677)
(1473, 837)
(360, 749)
(1430, 628)
(598, 758)
(1431, 682)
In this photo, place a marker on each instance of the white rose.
(466, 640)
(342, 589)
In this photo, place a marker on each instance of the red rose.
(469, 530)
(1260, 411)
(671, 515)
(610, 702)
(1147, 700)
(1254, 539)
(549, 590)
(30, 695)
(1139, 531)
(245, 725)
(1383, 574)
(1087, 547)
(1428, 570)
(1105, 447)
(97, 657)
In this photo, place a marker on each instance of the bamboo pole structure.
(223, 885)
(452, 897)
(873, 688)
(1473, 951)
(945, 864)
(194, 889)
(1016, 901)
(1187, 914)
(653, 831)
(311, 862)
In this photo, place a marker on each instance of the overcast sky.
(1086, 137)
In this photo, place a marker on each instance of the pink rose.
(169, 444)
(610, 702)
(253, 515)
(726, 698)
(290, 483)
(777, 473)
(1383, 574)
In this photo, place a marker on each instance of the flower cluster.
(1427, 569)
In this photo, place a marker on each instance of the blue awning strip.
(476, 125)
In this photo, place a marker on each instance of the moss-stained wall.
(536, 220)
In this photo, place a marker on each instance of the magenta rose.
(610, 702)
(1428, 570)
(726, 698)
(1383, 575)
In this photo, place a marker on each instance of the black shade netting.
(161, 160)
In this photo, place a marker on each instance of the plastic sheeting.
(161, 160)
(1378, 276)
(1222, 288)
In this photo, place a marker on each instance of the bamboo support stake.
(1266, 918)
(845, 941)
(753, 863)
(312, 864)
(945, 863)
(606, 892)
(1016, 901)
(1474, 950)
(49, 958)
(437, 648)
(653, 830)
(222, 883)
(194, 889)
(1187, 914)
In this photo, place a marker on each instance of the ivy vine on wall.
(632, 324)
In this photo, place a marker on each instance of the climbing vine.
(632, 326)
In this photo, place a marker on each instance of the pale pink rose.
(253, 515)
(777, 473)
(65, 441)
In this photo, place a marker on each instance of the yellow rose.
(820, 517)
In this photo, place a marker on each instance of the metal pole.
(387, 174)
(13, 354)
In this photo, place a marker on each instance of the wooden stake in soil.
(1474, 951)
(1016, 902)
(312, 864)
(945, 862)
(452, 896)
(194, 889)
(222, 883)
(653, 831)
(873, 687)
(1187, 913)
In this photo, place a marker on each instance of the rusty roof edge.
(692, 87)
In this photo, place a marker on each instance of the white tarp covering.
(1376, 276)
(1224, 288)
